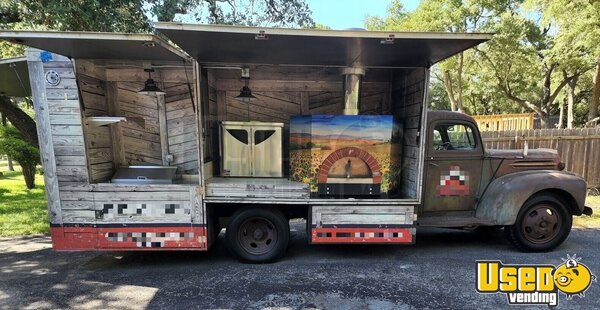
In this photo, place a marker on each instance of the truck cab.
(524, 191)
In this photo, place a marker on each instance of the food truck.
(160, 141)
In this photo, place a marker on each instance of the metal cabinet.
(251, 149)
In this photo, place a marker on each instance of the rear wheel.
(543, 223)
(258, 235)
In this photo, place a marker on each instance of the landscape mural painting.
(347, 150)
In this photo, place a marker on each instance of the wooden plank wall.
(407, 93)
(71, 197)
(98, 140)
(119, 203)
(137, 141)
(181, 128)
(60, 130)
(578, 148)
(213, 112)
(141, 134)
(285, 91)
(66, 123)
(141, 139)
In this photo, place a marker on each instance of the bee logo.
(572, 277)
(534, 284)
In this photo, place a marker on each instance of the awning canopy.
(98, 45)
(14, 77)
(218, 44)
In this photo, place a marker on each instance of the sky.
(343, 14)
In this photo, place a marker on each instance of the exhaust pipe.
(352, 84)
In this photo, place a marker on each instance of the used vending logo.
(534, 284)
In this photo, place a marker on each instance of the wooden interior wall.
(282, 92)
(211, 120)
(285, 91)
(141, 138)
(155, 127)
(181, 128)
(407, 98)
(93, 89)
(72, 200)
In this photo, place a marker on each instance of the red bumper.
(151, 237)
(362, 235)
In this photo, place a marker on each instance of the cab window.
(437, 139)
(453, 137)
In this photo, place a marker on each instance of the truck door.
(453, 166)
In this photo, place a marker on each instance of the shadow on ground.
(437, 272)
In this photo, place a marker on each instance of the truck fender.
(504, 197)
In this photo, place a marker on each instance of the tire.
(543, 223)
(258, 235)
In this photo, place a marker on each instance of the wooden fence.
(579, 148)
(504, 122)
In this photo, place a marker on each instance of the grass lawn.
(22, 211)
(593, 221)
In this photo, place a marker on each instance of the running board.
(462, 219)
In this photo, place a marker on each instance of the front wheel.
(543, 223)
(258, 235)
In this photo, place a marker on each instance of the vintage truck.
(149, 144)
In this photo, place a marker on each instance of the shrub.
(28, 156)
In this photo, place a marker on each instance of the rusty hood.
(534, 159)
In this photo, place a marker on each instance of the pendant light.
(150, 87)
(245, 93)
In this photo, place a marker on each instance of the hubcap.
(257, 235)
(541, 224)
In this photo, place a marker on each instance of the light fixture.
(245, 93)
(261, 36)
(389, 40)
(149, 44)
(150, 87)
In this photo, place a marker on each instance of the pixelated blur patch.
(454, 182)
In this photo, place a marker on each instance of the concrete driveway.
(437, 272)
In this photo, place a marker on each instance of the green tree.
(14, 145)
(438, 99)
(577, 24)
(523, 59)
(22, 121)
(131, 16)
(282, 13)
(530, 62)
(4, 123)
(445, 16)
(137, 15)
(120, 16)
(81, 15)
(320, 26)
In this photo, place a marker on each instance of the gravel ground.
(437, 272)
